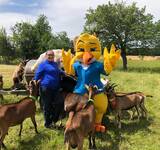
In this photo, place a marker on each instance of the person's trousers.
(53, 104)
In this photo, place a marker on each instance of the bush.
(144, 52)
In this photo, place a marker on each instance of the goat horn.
(87, 87)
(95, 86)
(113, 85)
(38, 82)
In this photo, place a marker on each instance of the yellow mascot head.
(87, 48)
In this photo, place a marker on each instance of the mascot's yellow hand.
(68, 62)
(114, 55)
(111, 58)
(107, 64)
(66, 59)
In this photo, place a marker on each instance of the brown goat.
(1, 86)
(126, 101)
(15, 113)
(17, 76)
(82, 123)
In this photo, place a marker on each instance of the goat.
(82, 123)
(17, 76)
(125, 101)
(15, 113)
(1, 86)
(33, 88)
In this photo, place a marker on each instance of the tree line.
(130, 28)
(28, 40)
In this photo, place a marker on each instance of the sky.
(63, 15)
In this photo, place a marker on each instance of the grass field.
(143, 135)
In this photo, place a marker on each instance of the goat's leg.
(132, 113)
(1, 143)
(137, 109)
(34, 123)
(119, 119)
(4, 131)
(93, 141)
(80, 145)
(1, 97)
(143, 108)
(116, 118)
(90, 142)
(20, 131)
(3, 146)
(68, 123)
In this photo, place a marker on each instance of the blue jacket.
(90, 75)
(49, 74)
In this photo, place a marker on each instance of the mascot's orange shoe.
(100, 128)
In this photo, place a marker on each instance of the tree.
(6, 50)
(32, 40)
(121, 24)
(157, 35)
(25, 40)
(59, 41)
(43, 33)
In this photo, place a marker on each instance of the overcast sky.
(63, 15)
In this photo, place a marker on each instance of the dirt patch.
(143, 58)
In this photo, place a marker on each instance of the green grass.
(143, 135)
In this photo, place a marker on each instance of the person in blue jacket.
(49, 75)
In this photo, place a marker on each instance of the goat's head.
(23, 63)
(33, 88)
(71, 137)
(110, 90)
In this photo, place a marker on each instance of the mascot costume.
(87, 67)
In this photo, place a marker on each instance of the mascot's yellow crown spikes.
(90, 43)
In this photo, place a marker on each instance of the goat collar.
(90, 101)
(33, 97)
